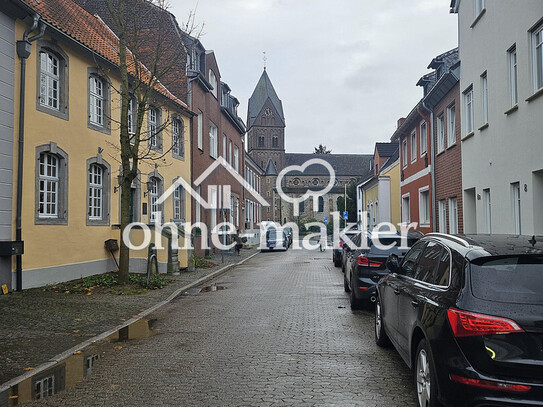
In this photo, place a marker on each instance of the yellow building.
(71, 157)
(378, 196)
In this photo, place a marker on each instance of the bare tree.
(321, 149)
(148, 64)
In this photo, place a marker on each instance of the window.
(155, 210)
(442, 216)
(236, 158)
(179, 204)
(451, 126)
(51, 185)
(468, 109)
(426, 266)
(96, 100)
(302, 207)
(423, 139)
(96, 192)
(260, 141)
(537, 49)
(98, 173)
(44, 387)
(410, 260)
(479, 7)
(488, 210)
(178, 138)
(321, 204)
(52, 79)
(404, 153)
(275, 141)
(484, 96)
(198, 208)
(49, 80)
(513, 75)
(200, 130)
(224, 146)
(213, 140)
(413, 146)
(153, 128)
(213, 82)
(440, 133)
(131, 116)
(424, 207)
(230, 153)
(406, 210)
(453, 216)
(516, 208)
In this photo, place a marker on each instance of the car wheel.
(355, 303)
(337, 262)
(381, 337)
(425, 377)
(346, 285)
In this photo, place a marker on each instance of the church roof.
(356, 165)
(270, 168)
(264, 90)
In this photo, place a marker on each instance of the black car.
(466, 314)
(338, 246)
(364, 265)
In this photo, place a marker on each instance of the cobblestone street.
(279, 333)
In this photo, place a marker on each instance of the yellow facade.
(393, 172)
(57, 252)
(372, 199)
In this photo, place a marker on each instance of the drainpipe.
(24, 48)
(432, 156)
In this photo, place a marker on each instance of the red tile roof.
(90, 31)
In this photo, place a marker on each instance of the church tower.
(266, 125)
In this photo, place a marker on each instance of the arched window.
(52, 94)
(153, 128)
(98, 194)
(179, 207)
(155, 191)
(99, 101)
(275, 141)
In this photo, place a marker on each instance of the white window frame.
(440, 124)
(406, 208)
(404, 153)
(453, 215)
(451, 125)
(49, 80)
(152, 127)
(97, 100)
(413, 140)
(130, 116)
(487, 200)
(424, 207)
(154, 193)
(423, 129)
(484, 96)
(442, 208)
(49, 184)
(224, 146)
(96, 192)
(179, 202)
(198, 206)
(213, 140)
(177, 138)
(468, 110)
(200, 130)
(44, 387)
(513, 75)
(236, 158)
(213, 83)
(537, 57)
(230, 152)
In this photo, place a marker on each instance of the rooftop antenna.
(264, 58)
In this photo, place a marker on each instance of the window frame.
(404, 153)
(153, 196)
(512, 58)
(487, 201)
(98, 76)
(442, 211)
(236, 158)
(413, 142)
(451, 125)
(200, 130)
(104, 220)
(178, 138)
(468, 110)
(63, 72)
(453, 215)
(537, 66)
(156, 132)
(61, 217)
(440, 132)
(424, 209)
(214, 83)
(484, 97)
(213, 140)
(516, 196)
(179, 202)
(423, 137)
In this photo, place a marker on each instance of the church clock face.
(267, 112)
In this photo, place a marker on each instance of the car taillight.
(364, 261)
(464, 323)
(489, 384)
(340, 244)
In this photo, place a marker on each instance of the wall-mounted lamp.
(149, 187)
(119, 183)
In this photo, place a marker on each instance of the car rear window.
(517, 279)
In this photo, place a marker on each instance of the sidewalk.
(38, 325)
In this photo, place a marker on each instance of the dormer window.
(213, 82)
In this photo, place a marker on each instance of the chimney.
(400, 121)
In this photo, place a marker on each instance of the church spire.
(263, 92)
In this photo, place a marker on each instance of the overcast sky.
(345, 69)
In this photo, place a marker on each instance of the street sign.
(345, 215)
(325, 219)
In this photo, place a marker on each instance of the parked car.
(366, 264)
(466, 314)
(289, 235)
(338, 246)
(276, 238)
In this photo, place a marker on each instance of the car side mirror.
(393, 263)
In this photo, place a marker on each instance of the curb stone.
(66, 354)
